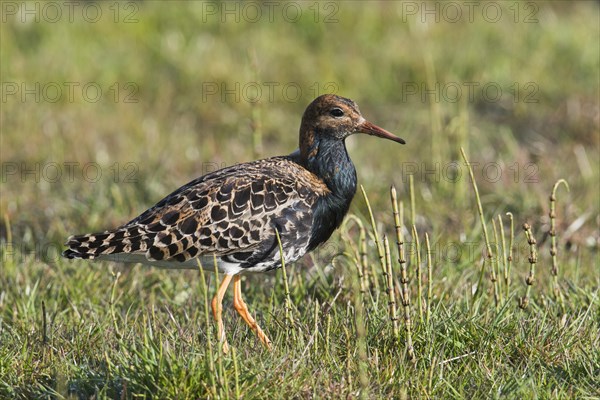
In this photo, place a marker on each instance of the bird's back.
(229, 216)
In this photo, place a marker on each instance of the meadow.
(108, 107)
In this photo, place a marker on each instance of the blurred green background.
(108, 107)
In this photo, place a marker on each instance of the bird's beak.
(371, 129)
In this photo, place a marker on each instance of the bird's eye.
(337, 112)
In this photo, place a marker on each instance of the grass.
(104, 330)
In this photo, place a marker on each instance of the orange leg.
(217, 309)
(242, 309)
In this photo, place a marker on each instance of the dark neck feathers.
(328, 159)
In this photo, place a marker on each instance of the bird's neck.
(329, 160)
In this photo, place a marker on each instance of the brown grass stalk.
(553, 248)
(389, 278)
(524, 301)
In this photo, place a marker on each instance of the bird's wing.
(229, 213)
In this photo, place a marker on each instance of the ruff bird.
(234, 215)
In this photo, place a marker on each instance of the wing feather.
(230, 213)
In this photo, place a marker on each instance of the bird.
(237, 217)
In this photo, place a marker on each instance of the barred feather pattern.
(229, 216)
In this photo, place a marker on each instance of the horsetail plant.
(524, 302)
(553, 249)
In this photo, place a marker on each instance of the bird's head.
(331, 117)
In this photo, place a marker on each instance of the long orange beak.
(371, 129)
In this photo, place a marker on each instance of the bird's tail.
(129, 239)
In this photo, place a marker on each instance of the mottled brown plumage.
(233, 215)
(229, 214)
